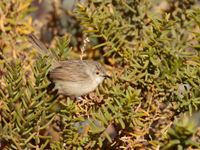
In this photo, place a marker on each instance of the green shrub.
(153, 54)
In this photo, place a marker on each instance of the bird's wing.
(69, 71)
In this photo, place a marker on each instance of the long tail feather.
(42, 49)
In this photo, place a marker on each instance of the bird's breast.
(75, 88)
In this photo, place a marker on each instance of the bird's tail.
(40, 47)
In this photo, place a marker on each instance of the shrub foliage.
(150, 47)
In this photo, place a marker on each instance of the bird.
(72, 77)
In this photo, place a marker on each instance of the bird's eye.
(97, 73)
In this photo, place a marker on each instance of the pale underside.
(74, 89)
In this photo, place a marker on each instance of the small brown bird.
(72, 77)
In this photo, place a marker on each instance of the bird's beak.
(107, 76)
